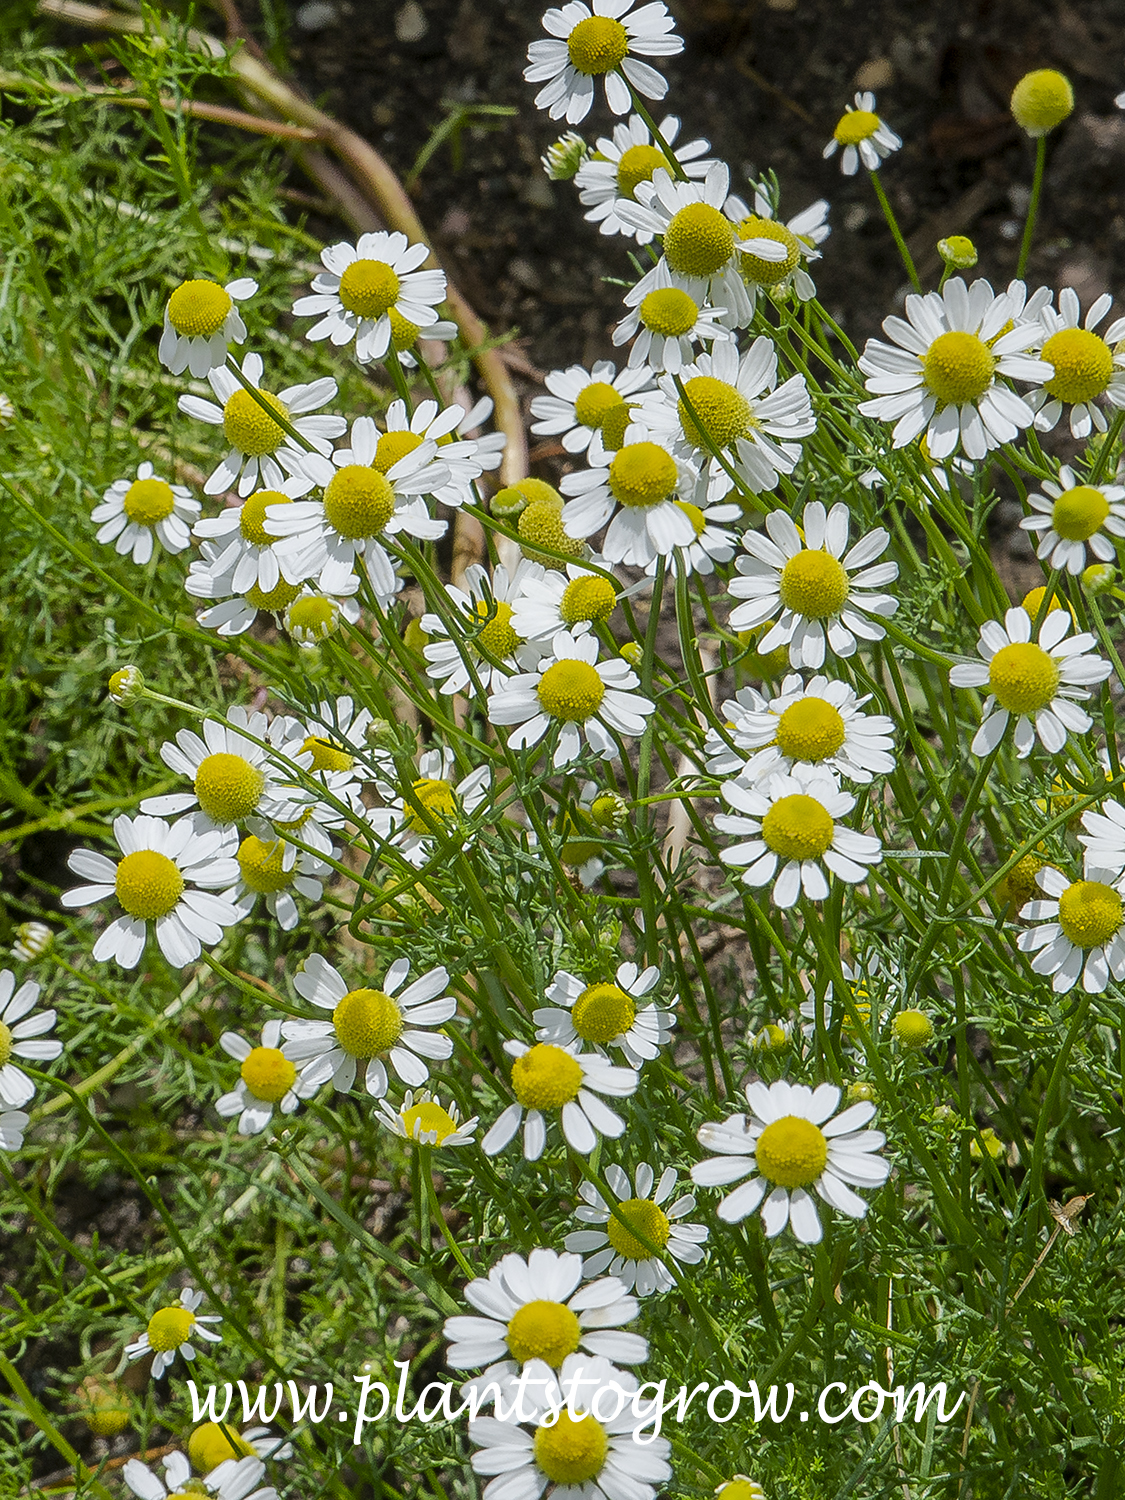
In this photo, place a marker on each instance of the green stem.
(1032, 204)
(889, 215)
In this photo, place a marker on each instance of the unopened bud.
(1099, 578)
(958, 251)
(32, 939)
(125, 684)
(609, 811)
(563, 159)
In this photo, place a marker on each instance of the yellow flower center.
(276, 598)
(669, 311)
(5, 1043)
(148, 501)
(603, 1012)
(597, 45)
(439, 800)
(814, 584)
(755, 267)
(637, 165)
(429, 1118)
(1020, 886)
(369, 288)
(642, 474)
(1033, 599)
(315, 616)
(695, 516)
(1083, 364)
(198, 309)
(913, 1028)
(571, 691)
(1023, 677)
(326, 756)
(248, 428)
(589, 598)
(169, 1328)
(857, 125)
(699, 240)
(1041, 100)
(367, 1022)
(958, 368)
(148, 884)
(791, 1152)
(1078, 513)
(192, 1490)
(1090, 913)
(810, 729)
(212, 1444)
(497, 637)
(720, 411)
(268, 1074)
(603, 409)
(742, 1489)
(542, 523)
(754, 664)
(543, 1330)
(570, 1452)
(262, 863)
(358, 501)
(404, 333)
(648, 1218)
(546, 1077)
(228, 787)
(252, 517)
(392, 446)
(798, 827)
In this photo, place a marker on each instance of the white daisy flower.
(863, 135)
(792, 821)
(171, 1330)
(623, 1254)
(363, 286)
(944, 378)
(1072, 516)
(628, 158)
(236, 610)
(31, 940)
(666, 323)
(152, 882)
(713, 542)
(1086, 365)
(1104, 838)
(538, 1309)
(605, 1015)
(362, 503)
(368, 1025)
(213, 1444)
(465, 458)
(234, 1479)
(485, 606)
(13, 1123)
(200, 320)
(272, 868)
(259, 446)
(549, 1080)
(267, 1080)
(18, 1037)
(313, 616)
(133, 511)
(730, 403)
(438, 803)
(574, 692)
(1039, 681)
(243, 548)
(817, 723)
(332, 749)
(581, 1457)
(772, 256)
(1081, 929)
(802, 584)
(606, 42)
(423, 1119)
(792, 1141)
(638, 490)
(548, 602)
(589, 409)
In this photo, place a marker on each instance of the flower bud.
(125, 685)
(32, 939)
(632, 652)
(957, 252)
(563, 159)
(913, 1029)
(1098, 579)
(1041, 100)
(861, 1092)
(609, 811)
(104, 1405)
(771, 1038)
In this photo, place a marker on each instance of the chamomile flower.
(626, 159)
(153, 883)
(423, 1119)
(790, 1142)
(666, 323)
(313, 616)
(243, 548)
(772, 256)
(589, 410)
(549, 1080)
(740, 1487)
(259, 446)
(793, 823)
(267, 1081)
(212, 1444)
(171, 1330)
(362, 503)
(1072, 516)
(1080, 935)
(734, 405)
(485, 607)
(818, 592)
(437, 802)
(465, 458)
(638, 490)
(574, 693)
(1086, 365)
(948, 376)
(368, 1025)
(538, 1309)
(817, 723)
(605, 40)
(233, 1479)
(13, 1123)
(273, 869)
(200, 320)
(548, 602)
(135, 511)
(621, 1253)
(604, 1015)
(863, 135)
(19, 1037)
(1104, 837)
(1039, 682)
(30, 941)
(363, 287)
(713, 543)
(335, 736)
(234, 611)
